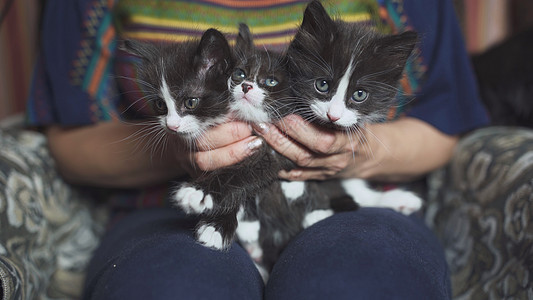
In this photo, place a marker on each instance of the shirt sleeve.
(448, 97)
(72, 82)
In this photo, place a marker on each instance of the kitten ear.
(212, 52)
(395, 50)
(316, 31)
(317, 22)
(143, 50)
(244, 42)
(397, 47)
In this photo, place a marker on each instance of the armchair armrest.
(48, 229)
(481, 207)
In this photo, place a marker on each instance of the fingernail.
(256, 143)
(262, 128)
(295, 174)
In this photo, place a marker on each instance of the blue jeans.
(367, 254)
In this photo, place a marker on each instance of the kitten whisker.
(376, 74)
(351, 140)
(317, 60)
(383, 87)
(364, 142)
(146, 139)
(356, 49)
(146, 128)
(148, 98)
(386, 147)
(202, 142)
(268, 58)
(138, 81)
(157, 144)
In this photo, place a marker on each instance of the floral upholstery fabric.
(47, 229)
(481, 206)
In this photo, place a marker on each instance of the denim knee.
(371, 253)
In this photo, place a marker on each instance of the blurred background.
(484, 23)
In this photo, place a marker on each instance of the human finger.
(305, 174)
(224, 135)
(227, 155)
(286, 146)
(315, 138)
(321, 168)
(301, 155)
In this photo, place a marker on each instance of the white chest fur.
(293, 189)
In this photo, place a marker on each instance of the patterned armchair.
(48, 229)
(480, 205)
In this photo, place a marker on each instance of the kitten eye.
(322, 85)
(160, 106)
(271, 82)
(191, 103)
(360, 96)
(238, 75)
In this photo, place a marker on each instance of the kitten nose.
(333, 118)
(173, 126)
(246, 87)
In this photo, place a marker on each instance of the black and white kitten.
(271, 216)
(346, 76)
(189, 87)
(259, 83)
(186, 82)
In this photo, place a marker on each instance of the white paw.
(292, 190)
(316, 216)
(248, 231)
(192, 200)
(208, 236)
(401, 201)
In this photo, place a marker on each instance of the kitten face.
(259, 82)
(186, 83)
(345, 75)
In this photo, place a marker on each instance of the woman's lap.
(152, 254)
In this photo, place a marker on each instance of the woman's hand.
(395, 151)
(320, 153)
(225, 145)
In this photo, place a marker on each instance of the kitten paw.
(401, 201)
(193, 201)
(316, 216)
(210, 237)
